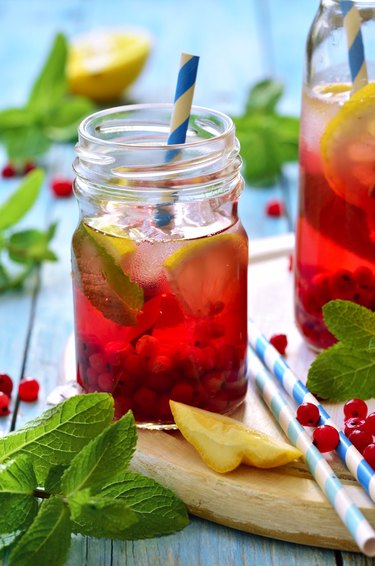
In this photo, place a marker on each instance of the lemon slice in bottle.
(202, 273)
(104, 62)
(224, 443)
(348, 148)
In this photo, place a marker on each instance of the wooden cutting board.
(284, 503)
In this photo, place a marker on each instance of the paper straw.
(357, 61)
(348, 453)
(329, 483)
(183, 100)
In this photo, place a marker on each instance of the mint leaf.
(60, 433)
(104, 458)
(28, 142)
(30, 245)
(52, 483)
(47, 540)
(9, 540)
(264, 96)
(158, 509)
(63, 124)
(7, 282)
(17, 503)
(98, 516)
(341, 373)
(50, 85)
(353, 324)
(20, 202)
(15, 118)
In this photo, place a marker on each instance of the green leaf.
(47, 540)
(4, 278)
(353, 324)
(62, 124)
(53, 480)
(17, 503)
(28, 142)
(98, 516)
(264, 96)
(50, 85)
(8, 541)
(15, 118)
(341, 373)
(20, 202)
(158, 509)
(104, 458)
(30, 245)
(57, 435)
(7, 283)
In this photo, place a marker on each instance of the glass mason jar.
(160, 263)
(335, 237)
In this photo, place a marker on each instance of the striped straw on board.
(358, 526)
(350, 456)
(357, 61)
(183, 100)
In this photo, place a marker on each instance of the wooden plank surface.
(231, 38)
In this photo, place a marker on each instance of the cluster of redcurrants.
(28, 390)
(359, 427)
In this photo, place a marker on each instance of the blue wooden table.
(239, 41)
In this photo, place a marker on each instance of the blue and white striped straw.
(183, 100)
(350, 456)
(357, 61)
(358, 526)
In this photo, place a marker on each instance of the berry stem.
(41, 493)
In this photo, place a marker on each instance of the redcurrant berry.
(145, 398)
(369, 425)
(280, 342)
(147, 346)
(61, 187)
(6, 384)
(326, 438)
(29, 166)
(308, 414)
(8, 171)
(28, 390)
(353, 424)
(274, 208)
(360, 439)
(182, 392)
(369, 454)
(4, 405)
(355, 408)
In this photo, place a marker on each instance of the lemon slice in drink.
(224, 443)
(204, 272)
(102, 63)
(348, 148)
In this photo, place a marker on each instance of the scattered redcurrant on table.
(29, 166)
(6, 384)
(353, 424)
(360, 439)
(61, 187)
(280, 342)
(369, 425)
(308, 414)
(8, 171)
(355, 408)
(4, 405)
(326, 438)
(275, 208)
(28, 390)
(369, 454)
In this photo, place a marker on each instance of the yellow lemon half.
(224, 443)
(348, 148)
(102, 63)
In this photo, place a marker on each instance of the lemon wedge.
(103, 63)
(203, 273)
(348, 148)
(224, 443)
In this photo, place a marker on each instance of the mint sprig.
(347, 369)
(76, 463)
(268, 139)
(26, 248)
(50, 113)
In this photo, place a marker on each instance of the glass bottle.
(159, 263)
(335, 234)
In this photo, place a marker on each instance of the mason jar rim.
(84, 126)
